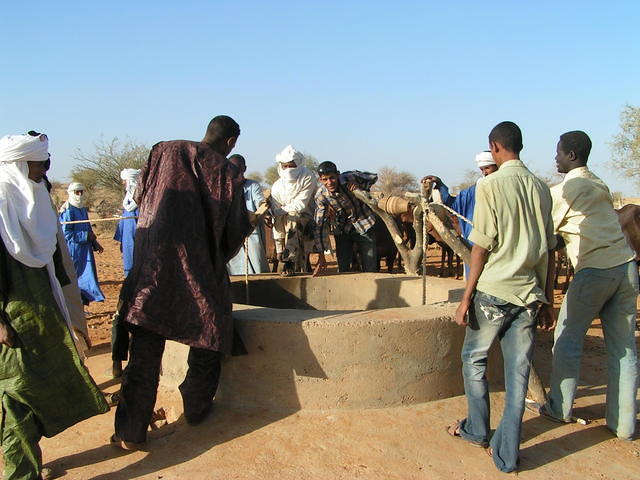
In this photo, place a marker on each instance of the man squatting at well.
(350, 219)
(291, 205)
(506, 294)
(192, 221)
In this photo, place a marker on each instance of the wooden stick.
(92, 220)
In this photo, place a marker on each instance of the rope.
(452, 211)
(246, 269)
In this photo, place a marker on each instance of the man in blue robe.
(125, 234)
(81, 242)
(465, 201)
(253, 197)
(126, 229)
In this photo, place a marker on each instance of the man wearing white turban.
(44, 388)
(291, 206)
(465, 201)
(82, 242)
(125, 234)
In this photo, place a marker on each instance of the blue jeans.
(515, 326)
(366, 244)
(610, 293)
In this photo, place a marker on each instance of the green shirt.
(512, 220)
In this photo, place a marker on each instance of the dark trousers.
(366, 244)
(119, 339)
(140, 384)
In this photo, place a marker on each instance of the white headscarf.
(484, 159)
(28, 223)
(74, 199)
(27, 220)
(289, 154)
(130, 177)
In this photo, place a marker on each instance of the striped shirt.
(341, 210)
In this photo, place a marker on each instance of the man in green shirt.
(507, 292)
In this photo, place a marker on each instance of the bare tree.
(625, 147)
(99, 172)
(394, 182)
(469, 178)
(101, 169)
(255, 176)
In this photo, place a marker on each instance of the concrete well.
(350, 341)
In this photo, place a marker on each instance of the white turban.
(129, 174)
(289, 154)
(74, 187)
(24, 148)
(484, 159)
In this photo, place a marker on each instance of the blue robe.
(81, 251)
(257, 258)
(463, 203)
(125, 234)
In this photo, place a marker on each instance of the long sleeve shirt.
(347, 213)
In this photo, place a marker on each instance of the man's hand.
(97, 247)
(321, 265)
(461, 313)
(432, 178)
(7, 337)
(547, 318)
(351, 186)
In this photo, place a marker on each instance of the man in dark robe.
(192, 221)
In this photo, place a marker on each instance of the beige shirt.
(512, 220)
(583, 215)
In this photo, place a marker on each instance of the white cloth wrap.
(295, 196)
(130, 177)
(484, 159)
(28, 222)
(77, 201)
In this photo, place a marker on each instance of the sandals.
(116, 441)
(454, 431)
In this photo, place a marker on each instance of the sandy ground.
(395, 443)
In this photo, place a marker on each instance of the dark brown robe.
(192, 221)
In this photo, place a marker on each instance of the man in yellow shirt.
(507, 292)
(605, 285)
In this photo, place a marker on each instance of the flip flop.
(454, 431)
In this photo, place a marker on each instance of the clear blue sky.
(413, 85)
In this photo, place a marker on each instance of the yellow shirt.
(583, 215)
(512, 220)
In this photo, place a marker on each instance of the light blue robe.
(257, 258)
(81, 251)
(125, 234)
